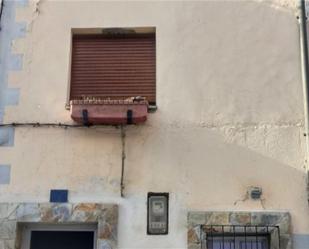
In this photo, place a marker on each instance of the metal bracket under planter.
(109, 112)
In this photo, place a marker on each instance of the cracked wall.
(230, 115)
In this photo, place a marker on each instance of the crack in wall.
(1, 10)
(35, 14)
(280, 4)
(246, 197)
(123, 157)
(236, 125)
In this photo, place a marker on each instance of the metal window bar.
(239, 237)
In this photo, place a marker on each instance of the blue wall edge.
(9, 62)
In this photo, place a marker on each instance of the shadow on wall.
(211, 172)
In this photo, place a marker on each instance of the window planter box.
(109, 112)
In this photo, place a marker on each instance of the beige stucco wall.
(230, 114)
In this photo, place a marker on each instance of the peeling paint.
(36, 5)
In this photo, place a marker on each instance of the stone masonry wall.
(282, 220)
(14, 215)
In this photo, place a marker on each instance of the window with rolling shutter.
(114, 66)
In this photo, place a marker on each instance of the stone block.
(196, 218)
(194, 246)
(193, 235)
(264, 219)
(11, 211)
(110, 214)
(240, 218)
(9, 244)
(281, 219)
(8, 211)
(285, 223)
(285, 242)
(105, 244)
(86, 212)
(107, 231)
(4, 210)
(7, 229)
(217, 218)
(28, 212)
(55, 212)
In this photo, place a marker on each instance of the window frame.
(96, 31)
(238, 238)
(280, 238)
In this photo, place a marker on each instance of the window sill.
(151, 108)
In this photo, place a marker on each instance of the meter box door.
(157, 220)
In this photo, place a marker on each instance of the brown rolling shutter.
(115, 67)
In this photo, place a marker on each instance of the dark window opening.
(114, 67)
(239, 237)
(62, 240)
(238, 242)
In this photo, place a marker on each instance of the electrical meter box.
(157, 214)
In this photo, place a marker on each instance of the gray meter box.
(157, 218)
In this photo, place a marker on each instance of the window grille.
(240, 237)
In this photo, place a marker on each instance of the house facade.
(221, 161)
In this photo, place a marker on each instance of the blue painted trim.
(7, 136)
(59, 195)
(300, 241)
(5, 173)
(10, 31)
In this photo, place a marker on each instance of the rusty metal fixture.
(255, 193)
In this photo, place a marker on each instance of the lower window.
(240, 242)
(239, 237)
(36, 236)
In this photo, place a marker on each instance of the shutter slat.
(106, 71)
(100, 78)
(146, 88)
(115, 68)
